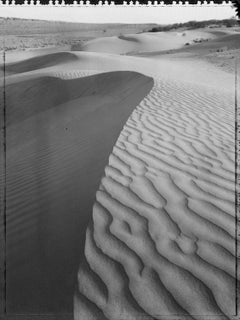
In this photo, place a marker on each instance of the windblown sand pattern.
(75, 74)
(161, 241)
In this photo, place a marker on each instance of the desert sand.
(60, 133)
(145, 42)
(121, 179)
(26, 34)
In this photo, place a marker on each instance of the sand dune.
(145, 42)
(190, 69)
(157, 200)
(21, 34)
(59, 136)
(162, 237)
(221, 51)
(40, 62)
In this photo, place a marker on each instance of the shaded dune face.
(231, 41)
(161, 239)
(39, 62)
(59, 136)
(47, 92)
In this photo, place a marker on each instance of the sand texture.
(161, 241)
(58, 144)
(121, 178)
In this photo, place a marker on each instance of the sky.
(120, 14)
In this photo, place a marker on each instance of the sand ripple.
(161, 241)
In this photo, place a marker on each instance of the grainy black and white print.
(119, 161)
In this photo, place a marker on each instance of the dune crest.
(60, 133)
(143, 42)
(161, 240)
(40, 62)
(154, 237)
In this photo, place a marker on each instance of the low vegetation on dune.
(197, 24)
(22, 34)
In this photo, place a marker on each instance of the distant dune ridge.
(121, 179)
(37, 62)
(145, 42)
(21, 34)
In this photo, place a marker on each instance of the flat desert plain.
(121, 177)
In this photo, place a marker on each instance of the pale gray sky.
(120, 14)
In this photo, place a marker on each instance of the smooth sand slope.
(145, 42)
(59, 136)
(39, 62)
(221, 51)
(161, 237)
(75, 64)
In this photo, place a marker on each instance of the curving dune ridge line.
(161, 241)
(143, 42)
(60, 132)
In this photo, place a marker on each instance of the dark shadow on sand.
(59, 136)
